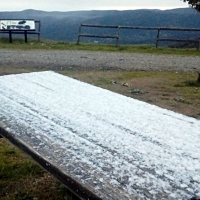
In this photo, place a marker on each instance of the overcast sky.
(72, 5)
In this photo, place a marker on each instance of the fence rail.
(158, 29)
(98, 36)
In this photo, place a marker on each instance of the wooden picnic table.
(99, 144)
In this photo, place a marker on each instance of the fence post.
(39, 31)
(25, 36)
(10, 36)
(158, 35)
(118, 34)
(79, 34)
(198, 44)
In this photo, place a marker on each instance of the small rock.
(181, 100)
(137, 91)
(126, 84)
(113, 82)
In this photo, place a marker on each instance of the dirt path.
(57, 59)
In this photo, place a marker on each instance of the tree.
(194, 3)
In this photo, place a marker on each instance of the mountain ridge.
(57, 25)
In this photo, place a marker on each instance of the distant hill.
(64, 25)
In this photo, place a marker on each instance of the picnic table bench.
(20, 26)
(99, 144)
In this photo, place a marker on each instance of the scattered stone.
(126, 84)
(73, 58)
(113, 82)
(137, 91)
(181, 100)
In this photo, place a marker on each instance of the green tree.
(194, 3)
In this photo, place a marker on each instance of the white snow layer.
(119, 147)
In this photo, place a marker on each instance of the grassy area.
(61, 45)
(22, 179)
(177, 91)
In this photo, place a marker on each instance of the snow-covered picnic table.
(99, 144)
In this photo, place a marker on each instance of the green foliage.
(14, 166)
(61, 45)
(23, 179)
(190, 83)
(194, 3)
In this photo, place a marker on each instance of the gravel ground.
(59, 59)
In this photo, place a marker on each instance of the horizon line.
(114, 9)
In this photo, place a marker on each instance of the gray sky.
(71, 5)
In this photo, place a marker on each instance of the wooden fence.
(197, 41)
(158, 29)
(98, 36)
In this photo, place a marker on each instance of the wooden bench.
(99, 144)
(24, 26)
